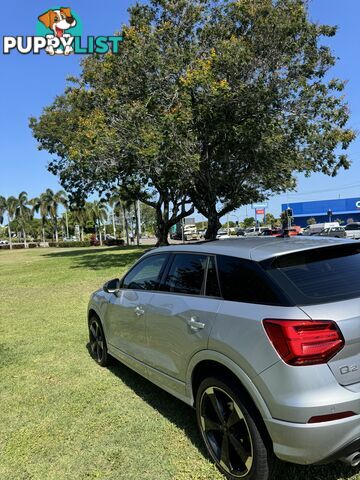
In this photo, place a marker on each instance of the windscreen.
(321, 275)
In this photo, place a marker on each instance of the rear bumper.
(314, 443)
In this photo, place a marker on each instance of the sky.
(30, 82)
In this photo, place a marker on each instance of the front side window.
(186, 274)
(146, 275)
(243, 281)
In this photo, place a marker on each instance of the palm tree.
(54, 200)
(41, 205)
(11, 205)
(98, 213)
(118, 204)
(23, 213)
(2, 209)
(81, 215)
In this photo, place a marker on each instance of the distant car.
(353, 230)
(240, 232)
(69, 239)
(255, 231)
(337, 232)
(4, 242)
(109, 237)
(316, 228)
(222, 234)
(271, 232)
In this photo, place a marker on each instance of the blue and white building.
(343, 209)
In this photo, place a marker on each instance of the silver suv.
(260, 335)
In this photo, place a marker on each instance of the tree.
(98, 212)
(23, 213)
(248, 222)
(2, 209)
(271, 220)
(128, 126)
(340, 221)
(311, 221)
(214, 102)
(41, 205)
(11, 205)
(53, 201)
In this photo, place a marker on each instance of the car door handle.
(139, 311)
(195, 325)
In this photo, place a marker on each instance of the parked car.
(240, 232)
(255, 231)
(259, 335)
(353, 230)
(4, 242)
(319, 227)
(337, 232)
(222, 234)
(271, 232)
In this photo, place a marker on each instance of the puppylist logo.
(59, 32)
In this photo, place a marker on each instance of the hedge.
(69, 244)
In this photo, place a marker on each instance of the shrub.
(69, 244)
(114, 243)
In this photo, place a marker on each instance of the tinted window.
(212, 283)
(320, 275)
(146, 274)
(186, 274)
(243, 281)
(352, 226)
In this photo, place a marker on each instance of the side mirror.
(112, 286)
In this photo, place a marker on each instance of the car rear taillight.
(304, 342)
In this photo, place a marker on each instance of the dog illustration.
(58, 21)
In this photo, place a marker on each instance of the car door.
(126, 311)
(181, 314)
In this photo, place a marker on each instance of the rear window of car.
(321, 275)
(244, 281)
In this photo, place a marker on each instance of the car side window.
(243, 281)
(186, 274)
(146, 275)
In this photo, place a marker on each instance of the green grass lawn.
(62, 416)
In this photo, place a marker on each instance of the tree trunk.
(113, 222)
(43, 233)
(56, 233)
(24, 234)
(136, 205)
(100, 235)
(162, 234)
(82, 233)
(126, 227)
(213, 225)
(9, 232)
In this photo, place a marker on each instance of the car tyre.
(229, 427)
(97, 342)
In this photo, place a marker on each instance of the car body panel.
(171, 340)
(124, 326)
(345, 366)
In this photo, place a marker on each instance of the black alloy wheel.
(230, 433)
(98, 347)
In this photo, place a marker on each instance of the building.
(325, 210)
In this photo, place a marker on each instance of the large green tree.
(217, 102)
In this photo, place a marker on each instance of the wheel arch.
(215, 368)
(209, 363)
